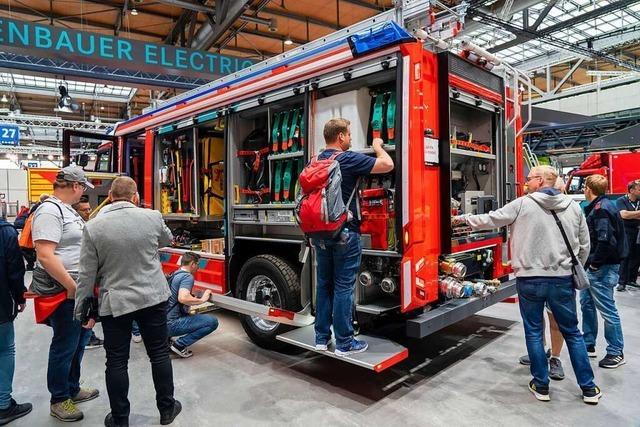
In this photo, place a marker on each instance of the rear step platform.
(381, 354)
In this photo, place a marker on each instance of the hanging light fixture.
(4, 98)
(134, 12)
(288, 41)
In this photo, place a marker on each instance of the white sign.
(431, 151)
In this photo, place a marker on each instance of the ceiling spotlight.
(65, 103)
(288, 41)
(273, 25)
(4, 98)
(134, 12)
(29, 156)
(102, 107)
(50, 157)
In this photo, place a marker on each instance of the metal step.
(381, 354)
(455, 310)
(378, 306)
(263, 311)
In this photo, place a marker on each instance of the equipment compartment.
(177, 174)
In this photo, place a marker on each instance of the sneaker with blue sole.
(356, 346)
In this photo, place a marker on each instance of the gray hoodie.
(537, 247)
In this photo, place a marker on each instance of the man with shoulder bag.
(544, 268)
(609, 246)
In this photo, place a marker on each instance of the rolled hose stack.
(452, 283)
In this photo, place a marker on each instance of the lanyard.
(637, 204)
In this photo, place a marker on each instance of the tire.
(285, 279)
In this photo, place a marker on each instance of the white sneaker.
(136, 338)
(322, 347)
(184, 353)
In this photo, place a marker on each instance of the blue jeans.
(600, 297)
(558, 292)
(65, 353)
(338, 262)
(192, 328)
(7, 362)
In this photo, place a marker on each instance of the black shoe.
(524, 360)
(591, 351)
(633, 284)
(610, 361)
(14, 411)
(621, 287)
(541, 393)
(591, 395)
(94, 342)
(555, 369)
(169, 417)
(110, 422)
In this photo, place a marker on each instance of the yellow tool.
(178, 180)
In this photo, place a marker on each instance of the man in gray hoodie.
(542, 266)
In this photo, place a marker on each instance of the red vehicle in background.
(619, 167)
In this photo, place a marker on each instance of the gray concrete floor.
(467, 374)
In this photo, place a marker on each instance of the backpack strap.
(355, 189)
(52, 202)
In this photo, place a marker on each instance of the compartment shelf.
(285, 155)
(473, 154)
(266, 206)
(369, 150)
(248, 222)
(376, 252)
(183, 216)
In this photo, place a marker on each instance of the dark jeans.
(65, 353)
(558, 292)
(600, 297)
(630, 265)
(7, 362)
(338, 264)
(117, 342)
(192, 328)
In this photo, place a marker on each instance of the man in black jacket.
(629, 207)
(11, 302)
(608, 247)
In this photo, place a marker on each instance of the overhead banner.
(9, 134)
(42, 40)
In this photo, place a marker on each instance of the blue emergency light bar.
(375, 39)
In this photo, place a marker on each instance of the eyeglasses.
(84, 210)
(529, 178)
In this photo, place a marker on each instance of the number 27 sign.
(9, 134)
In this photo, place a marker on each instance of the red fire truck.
(220, 162)
(620, 168)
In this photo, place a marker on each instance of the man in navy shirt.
(338, 261)
(189, 328)
(629, 207)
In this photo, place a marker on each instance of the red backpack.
(320, 210)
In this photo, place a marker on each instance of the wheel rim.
(262, 290)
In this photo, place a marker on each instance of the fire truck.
(619, 167)
(220, 162)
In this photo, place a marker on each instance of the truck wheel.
(268, 280)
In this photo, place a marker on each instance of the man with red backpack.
(338, 250)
